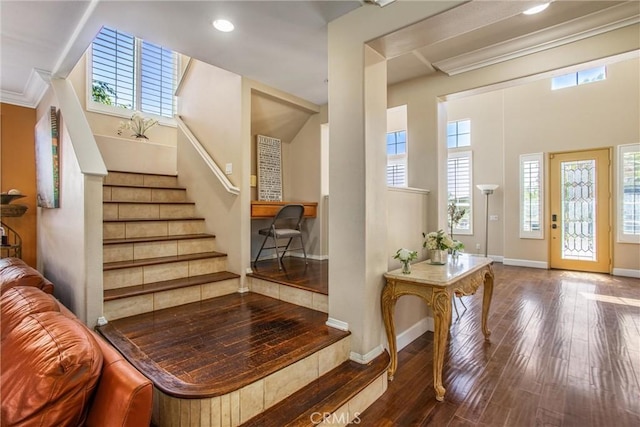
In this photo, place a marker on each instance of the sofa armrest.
(124, 396)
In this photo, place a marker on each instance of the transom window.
(579, 78)
(397, 159)
(128, 73)
(459, 134)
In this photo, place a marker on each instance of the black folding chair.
(285, 225)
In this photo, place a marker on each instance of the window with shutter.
(629, 193)
(128, 73)
(459, 185)
(531, 196)
(397, 159)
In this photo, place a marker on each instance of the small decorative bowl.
(8, 198)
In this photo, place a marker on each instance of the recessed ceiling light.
(536, 9)
(223, 25)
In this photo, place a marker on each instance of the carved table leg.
(388, 302)
(486, 302)
(442, 321)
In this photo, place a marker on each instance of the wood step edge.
(285, 283)
(167, 285)
(158, 238)
(118, 265)
(135, 202)
(146, 187)
(144, 173)
(186, 218)
(324, 395)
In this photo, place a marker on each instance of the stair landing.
(235, 355)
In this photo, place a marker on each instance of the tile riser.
(139, 304)
(136, 194)
(112, 211)
(135, 229)
(147, 250)
(118, 178)
(134, 276)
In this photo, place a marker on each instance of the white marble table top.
(441, 275)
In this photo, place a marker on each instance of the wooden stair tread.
(157, 238)
(216, 346)
(160, 260)
(167, 285)
(322, 396)
(146, 187)
(148, 202)
(186, 218)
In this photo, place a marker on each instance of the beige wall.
(531, 118)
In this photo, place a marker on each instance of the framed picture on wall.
(269, 157)
(48, 159)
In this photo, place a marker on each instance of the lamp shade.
(487, 188)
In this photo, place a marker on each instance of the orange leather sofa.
(55, 371)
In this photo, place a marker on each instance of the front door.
(580, 203)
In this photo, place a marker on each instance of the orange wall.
(18, 170)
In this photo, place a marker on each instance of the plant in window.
(455, 214)
(101, 92)
(138, 125)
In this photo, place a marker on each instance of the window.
(131, 74)
(459, 134)
(629, 193)
(459, 175)
(397, 159)
(579, 78)
(531, 196)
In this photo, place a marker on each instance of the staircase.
(218, 357)
(156, 252)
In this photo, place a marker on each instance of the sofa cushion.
(15, 272)
(19, 302)
(50, 367)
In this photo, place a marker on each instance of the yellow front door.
(580, 204)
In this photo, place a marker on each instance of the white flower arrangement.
(439, 240)
(405, 255)
(138, 125)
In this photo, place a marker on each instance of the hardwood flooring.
(564, 351)
(313, 276)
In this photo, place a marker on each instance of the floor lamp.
(486, 189)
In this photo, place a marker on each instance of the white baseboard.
(408, 336)
(526, 263)
(309, 256)
(366, 358)
(337, 324)
(626, 272)
(243, 290)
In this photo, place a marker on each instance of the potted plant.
(138, 125)
(439, 243)
(405, 256)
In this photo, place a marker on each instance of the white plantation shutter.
(113, 64)
(531, 218)
(157, 82)
(629, 193)
(397, 174)
(459, 186)
(139, 75)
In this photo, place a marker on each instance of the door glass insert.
(578, 210)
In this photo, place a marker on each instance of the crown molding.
(34, 90)
(581, 28)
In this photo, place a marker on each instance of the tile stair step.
(145, 227)
(148, 210)
(329, 393)
(146, 179)
(157, 238)
(161, 260)
(138, 193)
(114, 294)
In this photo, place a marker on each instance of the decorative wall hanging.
(48, 159)
(269, 153)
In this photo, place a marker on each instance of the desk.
(270, 209)
(436, 285)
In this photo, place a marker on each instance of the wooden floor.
(216, 346)
(564, 351)
(313, 276)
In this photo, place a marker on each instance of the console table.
(436, 285)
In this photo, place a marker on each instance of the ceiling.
(283, 44)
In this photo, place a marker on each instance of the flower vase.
(439, 257)
(406, 267)
(455, 254)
